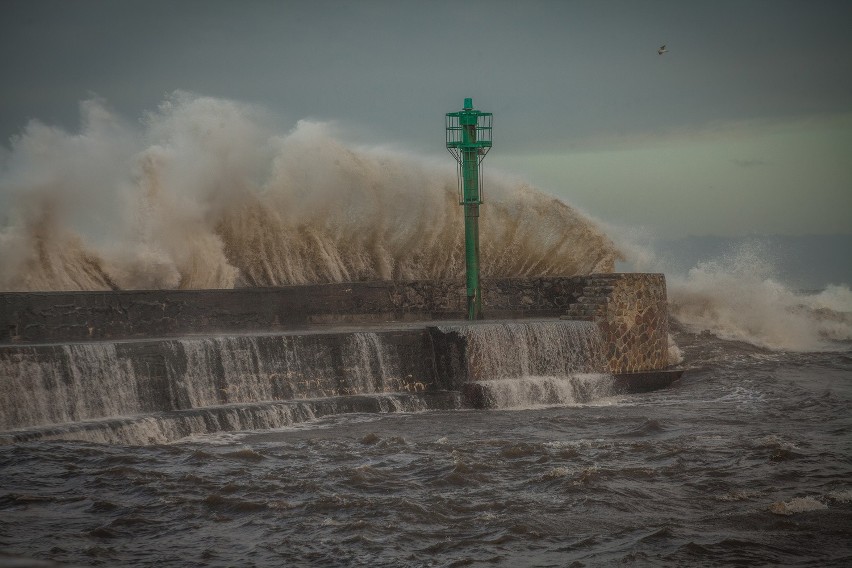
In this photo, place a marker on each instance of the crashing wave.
(205, 195)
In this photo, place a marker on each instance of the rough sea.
(747, 460)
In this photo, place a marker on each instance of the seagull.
(662, 50)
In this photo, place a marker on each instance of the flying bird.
(662, 50)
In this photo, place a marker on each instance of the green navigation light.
(468, 140)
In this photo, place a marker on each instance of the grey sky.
(583, 104)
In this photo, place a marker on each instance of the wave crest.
(736, 298)
(206, 195)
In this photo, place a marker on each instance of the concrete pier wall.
(35, 317)
(72, 358)
(91, 316)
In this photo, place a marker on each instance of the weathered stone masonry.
(97, 316)
(632, 313)
(630, 310)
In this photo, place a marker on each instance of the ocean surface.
(745, 461)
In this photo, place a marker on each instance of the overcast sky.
(744, 126)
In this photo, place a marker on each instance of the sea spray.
(206, 195)
(737, 298)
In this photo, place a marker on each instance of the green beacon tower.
(468, 140)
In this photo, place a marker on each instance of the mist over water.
(203, 193)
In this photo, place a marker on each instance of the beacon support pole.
(468, 140)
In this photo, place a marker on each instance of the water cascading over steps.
(521, 365)
(161, 390)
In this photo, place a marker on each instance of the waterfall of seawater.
(521, 365)
(141, 392)
(132, 393)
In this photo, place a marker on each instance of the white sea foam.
(797, 505)
(842, 495)
(675, 354)
(556, 473)
(738, 297)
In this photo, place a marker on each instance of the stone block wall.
(129, 314)
(631, 311)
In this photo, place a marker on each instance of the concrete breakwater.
(154, 366)
(90, 316)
